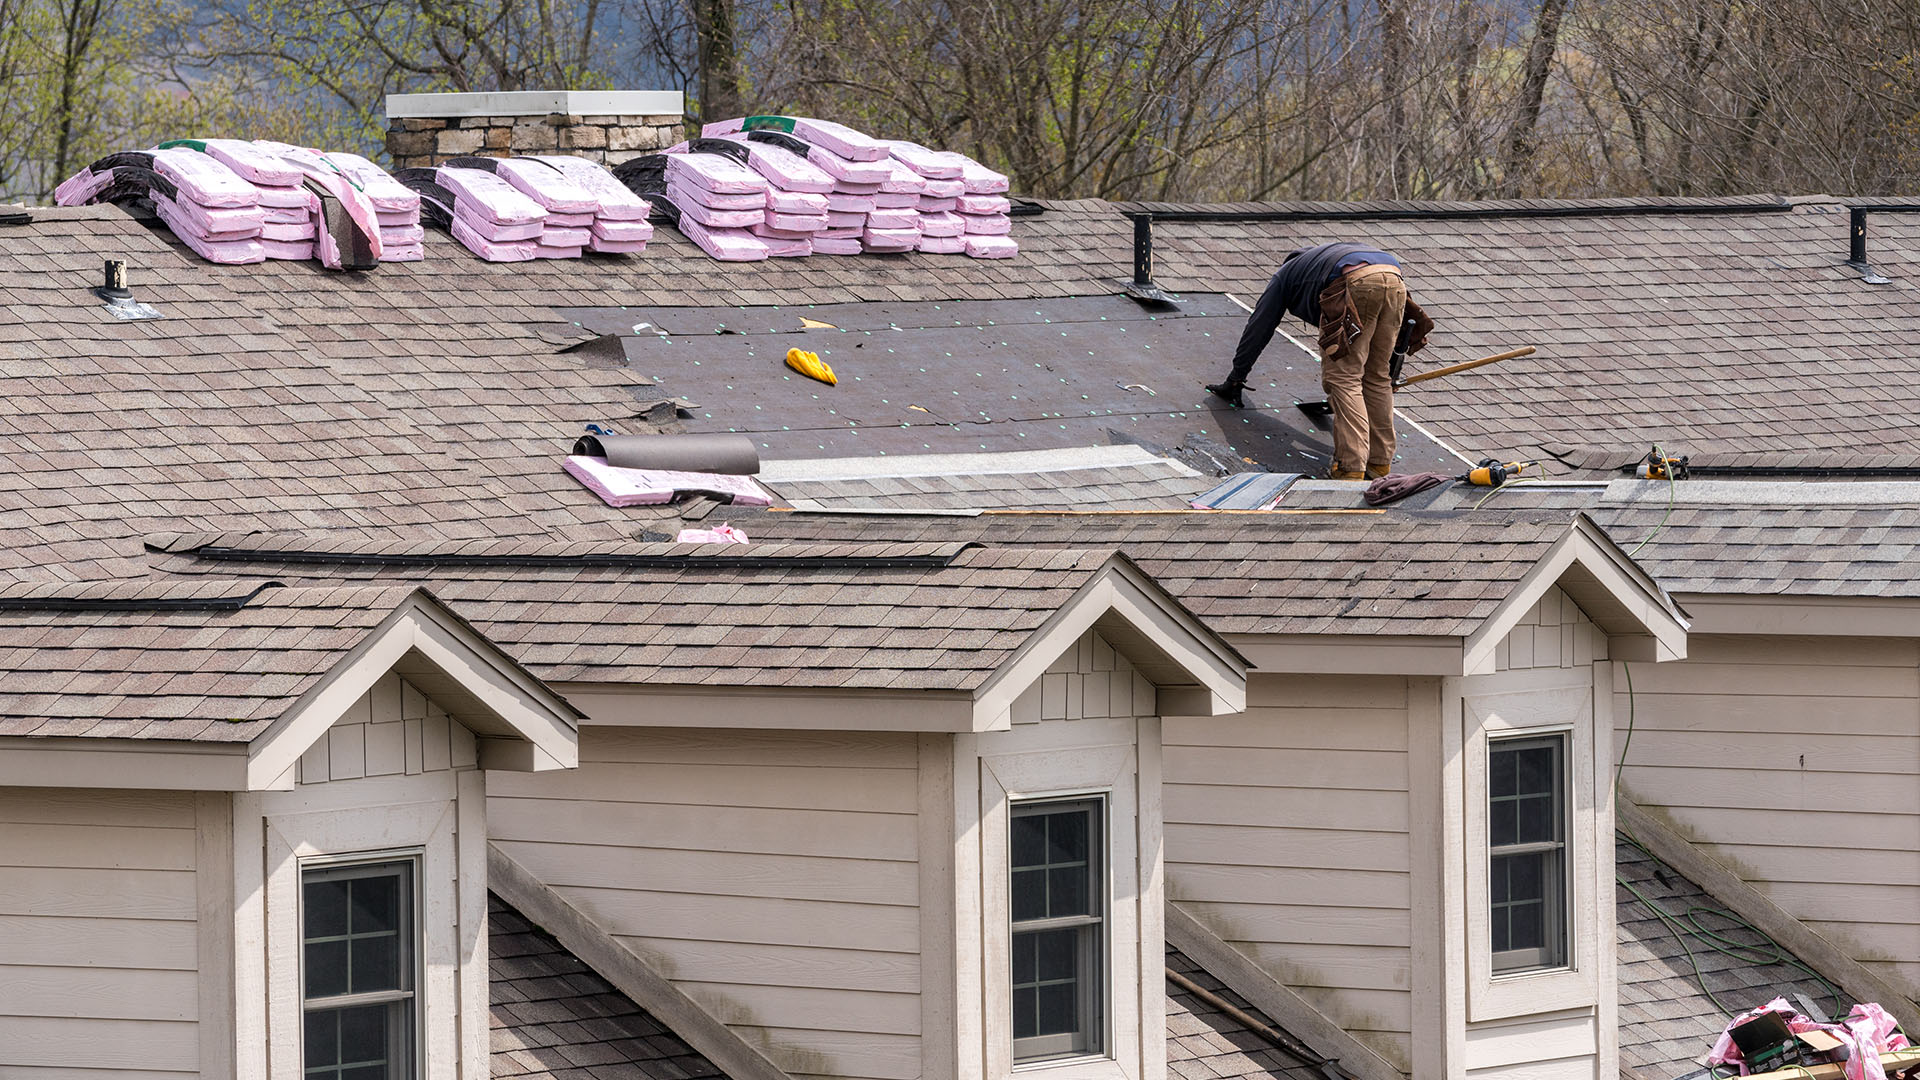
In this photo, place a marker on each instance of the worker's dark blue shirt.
(1295, 289)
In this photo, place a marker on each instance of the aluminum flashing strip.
(538, 103)
(812, 470)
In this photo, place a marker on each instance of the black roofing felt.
(986, 375)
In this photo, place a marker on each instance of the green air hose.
(1687, 925)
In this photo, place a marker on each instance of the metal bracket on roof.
(1142, 288)
(1857, 248)
(119, 299)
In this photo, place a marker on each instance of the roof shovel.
(1321, 412)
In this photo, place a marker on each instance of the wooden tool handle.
(1454, 369)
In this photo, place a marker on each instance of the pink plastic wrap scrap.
(725, 534)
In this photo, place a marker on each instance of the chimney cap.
(536, 103)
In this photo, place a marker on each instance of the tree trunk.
(1395, 50)
(719, 56)
(1518, 168)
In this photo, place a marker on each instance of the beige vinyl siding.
(392, 730)
(98, 916)
(1287, 836)
(1797, 762)
(772, 876)
(1554, 633)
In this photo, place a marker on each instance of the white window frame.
(1095, 944)
(1545, 709)
(1556, 892)
(404, 1045)
(1108, 772)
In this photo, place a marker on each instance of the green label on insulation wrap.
(768, 123)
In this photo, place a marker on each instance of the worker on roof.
(1356, 296)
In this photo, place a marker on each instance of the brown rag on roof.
(1391, 489)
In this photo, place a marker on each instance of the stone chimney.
(608, 126)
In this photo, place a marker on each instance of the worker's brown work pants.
(1357, 381)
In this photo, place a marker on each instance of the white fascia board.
(155, 764)
(537, 103)
(1650, 611)
(512, 703)
(1120, 590)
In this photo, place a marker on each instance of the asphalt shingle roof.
(204, 670)
(822, 615)
(1667, 1019)
(554, 1018)
(1356, 573)
(431, 397)
(1204, 1043)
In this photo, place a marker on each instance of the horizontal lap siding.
(97, 934)
(1287, 835)
(773, 877)
(1797, 762)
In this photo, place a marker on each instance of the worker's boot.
(1342, 474)
(1375, 472)
(1229, 392)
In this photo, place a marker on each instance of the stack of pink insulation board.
(520, 208)
(881, 195)
(234, 201)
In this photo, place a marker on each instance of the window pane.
(376, 904)
(1067, 837)
(376, 963)
(1500, 772)
(1026, 1022)
(1067, 894)
(1059, 954)
(1029, 840)
(1535, 769)
(325, 908)
(1526, 932)
(323, 1033)
(1535, 819)
(1029, 895)
(1502, 934)
(369, 1072)
(1500, 826)
(1058, 1013)
(1524, 875)
(326, 968)
(1025, 958)
(363, 1034)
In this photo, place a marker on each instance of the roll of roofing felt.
(703, 453)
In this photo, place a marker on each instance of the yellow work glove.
(810, 365)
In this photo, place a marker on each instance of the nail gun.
(1491, 473)
(1659, 466)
